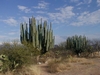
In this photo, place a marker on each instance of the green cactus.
(40, 35)
(4, 63)
(76, 43)
(7, 64)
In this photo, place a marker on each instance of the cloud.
(63, 14)
(93, 36)
(10, 21)
(79, 8)
(40, 12)
(98, 1)
(26, 19)
(80, 3)
(87, 18)
(74, 0)
(2, 36)
(24, 9)
(59, 39)
(84, 2)
(41, 5)
(43, 18)
(12, 33)
(38, 18)
(0, 43)
(87, 1)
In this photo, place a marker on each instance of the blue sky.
(68, 17)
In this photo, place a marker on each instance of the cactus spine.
(40, 35)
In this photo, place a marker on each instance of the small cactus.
(7, 64)
(4, 63)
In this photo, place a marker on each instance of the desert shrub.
(29, 70)
(58, 65)
(25, 70)
(17, 55)
(54, 66)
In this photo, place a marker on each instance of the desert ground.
(89, 66)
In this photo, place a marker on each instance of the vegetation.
(38, 39)
(39, 36)
(76, 43)
(14, 56)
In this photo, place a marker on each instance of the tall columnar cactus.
(40, 35)
(76, 43)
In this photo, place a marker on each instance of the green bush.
(17, 56)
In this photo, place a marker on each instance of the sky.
(68, 17)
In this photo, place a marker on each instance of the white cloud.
(26, 19)
(79, 8)
(2, 36)
(80, 3)
(43, 18)
(74, 0)
(12, 33)
(38, 18)
(0, 43)
(98, 1)
(93, 36)
(24, 8)
(59, 39)
(9, 38)
(10, 21)
(42, 5)
(87, 1)
(84, 2)
(63, 14)
(87, 18)
(40, 12)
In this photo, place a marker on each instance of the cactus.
(77, 43)
(40, 35)
(3, 63)
(6, 64)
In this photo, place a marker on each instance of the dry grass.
(76, 60)
(87, 62)
(7, 73)
(83, 61)
(31, 70)
(57, 65)
(35, 70)
(54, 65)
(71, 59)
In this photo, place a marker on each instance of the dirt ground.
(77, 68)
